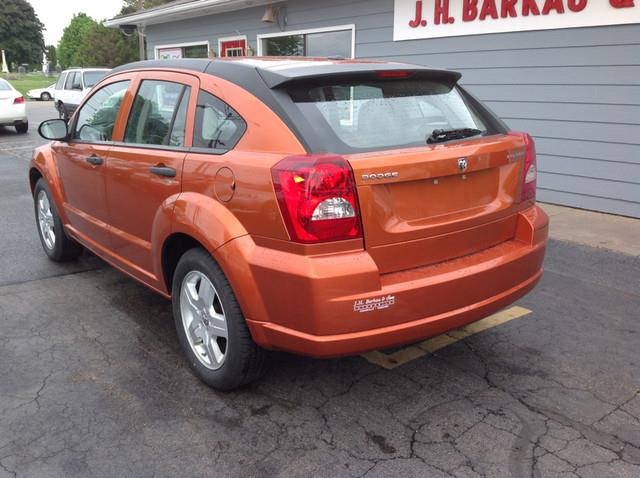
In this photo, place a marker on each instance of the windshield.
(4, 86)
(92, 77)
(383, 114)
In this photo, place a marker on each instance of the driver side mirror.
(54, 130)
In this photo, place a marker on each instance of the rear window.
(4, 86)
(384, 114)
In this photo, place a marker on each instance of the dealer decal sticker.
(415, 19)
(376, 303)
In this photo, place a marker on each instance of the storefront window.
(191, 51)
(196, 51)
(292, 45)
(331, 43)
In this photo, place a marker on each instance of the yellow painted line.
(413, 352)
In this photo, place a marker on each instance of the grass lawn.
(24, 83)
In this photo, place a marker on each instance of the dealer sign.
(415, 19)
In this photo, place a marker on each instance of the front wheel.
(55, 242)
(211, 328)
(62, 112)
(45, 96)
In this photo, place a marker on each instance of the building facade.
(567, 71)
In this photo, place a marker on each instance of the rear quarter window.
(384, 114)
(92, 77)
(218, 126)
(60, 82)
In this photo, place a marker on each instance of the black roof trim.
(193, 64)
(284, 74)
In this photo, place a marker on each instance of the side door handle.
(95, 160)
(163, 171)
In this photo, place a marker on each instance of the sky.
(56, 14)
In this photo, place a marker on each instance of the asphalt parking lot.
(92, 382)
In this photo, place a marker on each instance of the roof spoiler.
(278, 78)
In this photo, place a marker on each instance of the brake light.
(317, 198)
(18, 100)
(530, 170)
(394, 74)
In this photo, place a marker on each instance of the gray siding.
(576, 90)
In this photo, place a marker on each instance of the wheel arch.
(43, 166)
(196, 221)
(34, 176)
(173, 249)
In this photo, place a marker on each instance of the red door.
(233, 48)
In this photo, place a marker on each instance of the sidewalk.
(595, 229)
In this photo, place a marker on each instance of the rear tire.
(22, 128)
(205, 310)
(55, 242)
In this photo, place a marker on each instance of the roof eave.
(183, 11)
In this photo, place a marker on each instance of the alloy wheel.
(45, 221)
(204, 320)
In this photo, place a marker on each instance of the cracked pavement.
(92, 382)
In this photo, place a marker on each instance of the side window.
(70, 80)
(217, 126)
(60, 82)
(158, 114)
(97, 117)
(77, 81)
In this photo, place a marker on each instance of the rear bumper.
(328, 306)
(11, 115)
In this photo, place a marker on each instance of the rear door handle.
(95, 160)
(163, 171)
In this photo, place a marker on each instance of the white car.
(72, 86)
(42, 94)
(13, 110)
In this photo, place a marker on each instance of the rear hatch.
(427, 205)
(437, 176)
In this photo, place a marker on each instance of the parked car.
(210, 182)
(13, 111)
(72, 87)
(42, 94)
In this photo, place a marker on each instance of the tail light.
(317, 198)
(18, 100)
(530, 170)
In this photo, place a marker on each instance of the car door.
(59, 86)
(145, 164)
(74, 90)
(82, 161)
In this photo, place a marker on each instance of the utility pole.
(141, 46)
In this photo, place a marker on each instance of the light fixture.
(269, 14)
(275, 15)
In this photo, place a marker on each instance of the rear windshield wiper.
(442, 135)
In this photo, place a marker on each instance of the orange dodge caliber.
(323, 207)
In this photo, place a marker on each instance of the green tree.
(73, 38)
(21, 33)
(107, 47)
